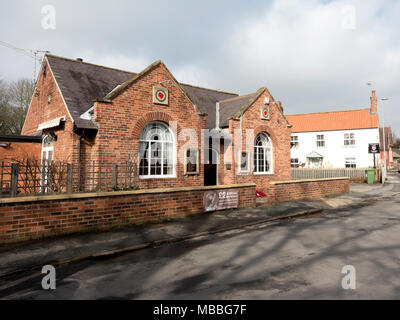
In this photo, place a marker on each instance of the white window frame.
(150, 142)
(265, 149)
(294, 165)
(351, 161)
(44, 166)
(347, 137)
(295, 142)
(320, 141)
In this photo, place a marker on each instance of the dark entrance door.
(211, 169)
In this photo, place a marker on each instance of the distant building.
(338, 139)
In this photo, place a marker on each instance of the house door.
(211, 168)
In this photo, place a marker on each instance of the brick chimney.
(374, 103)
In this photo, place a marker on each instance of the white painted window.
(47, 149)
(294, 141)
(294, 162)
(156, 151)
(350, 163)
(47, 158)
(349, 139)
(262, 154)
(320, 140)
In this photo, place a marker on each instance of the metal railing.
(38, 178)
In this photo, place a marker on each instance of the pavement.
(74, 248)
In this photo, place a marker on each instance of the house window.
(350, 163)
(349, 139)
(244, 162)
(262, 154)
(320, 140)
(192, 165)
(294, 141)
(156, 151)
(294, 162)
(47, 159)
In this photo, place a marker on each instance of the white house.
(335, 139)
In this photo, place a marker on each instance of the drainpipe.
(217, 116)
(234, 147)
(79, 159)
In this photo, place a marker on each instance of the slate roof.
(229, 107)
(81, 83)
(330, 121)
(206, 99)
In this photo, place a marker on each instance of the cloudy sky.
(314, 55)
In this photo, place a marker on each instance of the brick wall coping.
(120, 193)
(308, 180)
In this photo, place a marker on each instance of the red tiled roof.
(329, 121)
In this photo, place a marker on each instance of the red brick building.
(87, 112)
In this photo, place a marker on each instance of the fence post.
(14, 179)
(70, 171)
(115, 176)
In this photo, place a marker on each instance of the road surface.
(298, 259)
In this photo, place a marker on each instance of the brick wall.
(28, 218)
(41, 110)
(121, 122)
(19, 151)
(279, 133)
(307, 189)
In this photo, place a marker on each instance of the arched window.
(47, 158)
(47, 148)
(262, 154)
(156, 151)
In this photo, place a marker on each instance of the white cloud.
(305, 56)
(298, 49)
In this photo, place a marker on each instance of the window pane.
(156, 150)
(155, 158)
(255, 159)
(269, 159)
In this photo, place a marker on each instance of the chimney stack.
(374, 103)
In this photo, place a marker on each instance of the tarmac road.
(297, 259)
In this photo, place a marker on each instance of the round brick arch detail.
(151, 117)
(267, 130)
(272, 136)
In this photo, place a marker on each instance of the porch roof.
(314, 155)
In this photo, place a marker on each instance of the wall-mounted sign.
(220, 200)
(192, 164)
(265, 112)
(374, 148)
(244, 162)
(160, 95)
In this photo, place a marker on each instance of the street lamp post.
(384, 142)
